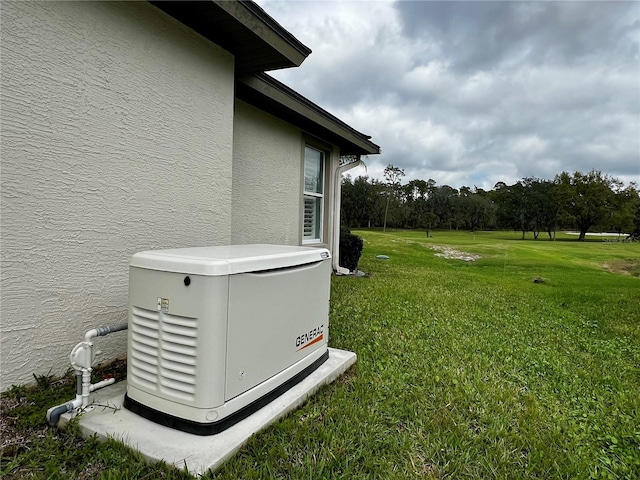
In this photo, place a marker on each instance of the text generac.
(307, 339)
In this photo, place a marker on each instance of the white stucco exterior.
(267, 175)
(123, 130)
(117, 137)
(268, 158)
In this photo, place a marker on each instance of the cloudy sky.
(472, 93)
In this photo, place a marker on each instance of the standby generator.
(216, 333)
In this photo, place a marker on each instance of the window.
(313, 196)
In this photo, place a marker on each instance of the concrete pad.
(106, 418)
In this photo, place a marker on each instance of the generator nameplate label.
(163, 304)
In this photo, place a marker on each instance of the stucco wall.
(267, 169)
(117, 137)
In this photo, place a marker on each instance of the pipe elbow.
(90, 334)
(54, 413)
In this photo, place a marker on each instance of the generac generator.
(216, 333)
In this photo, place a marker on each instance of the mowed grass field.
(471, 369)
(524, 363)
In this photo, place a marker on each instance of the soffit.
(256, 40)
(272, 96)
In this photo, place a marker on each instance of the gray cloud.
(487, 35)
(471, 93)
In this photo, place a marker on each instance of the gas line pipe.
(81, 358)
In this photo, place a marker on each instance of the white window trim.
(321, 196)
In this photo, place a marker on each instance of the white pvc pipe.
(81, 362)
(90, 334)
(102, 383)
(86, 386)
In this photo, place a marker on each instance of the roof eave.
(256, 40)
(267, 93)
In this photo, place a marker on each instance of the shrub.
(350, 249)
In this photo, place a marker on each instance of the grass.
(465, 370)
(30, 449)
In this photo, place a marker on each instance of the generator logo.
(307, 339)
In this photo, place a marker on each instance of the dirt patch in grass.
(623, 267)
(452, 253)
(17, 406)
(13, 439)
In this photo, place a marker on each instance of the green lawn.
(465, 369)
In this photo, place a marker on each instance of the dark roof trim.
(257, 41)
(274, 97)
(235, 9)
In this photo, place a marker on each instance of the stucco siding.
(117, 136)
(267, 173)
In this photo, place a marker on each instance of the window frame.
(318, 196)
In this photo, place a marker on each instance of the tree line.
(571, 201)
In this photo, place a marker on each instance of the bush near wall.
(350, 249)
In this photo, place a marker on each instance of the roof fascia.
(257, 41)
(253, 17)
(350, 140)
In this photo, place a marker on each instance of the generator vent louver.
(163, 352)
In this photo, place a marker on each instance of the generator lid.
(228, 259)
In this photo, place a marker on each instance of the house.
(130, 126)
